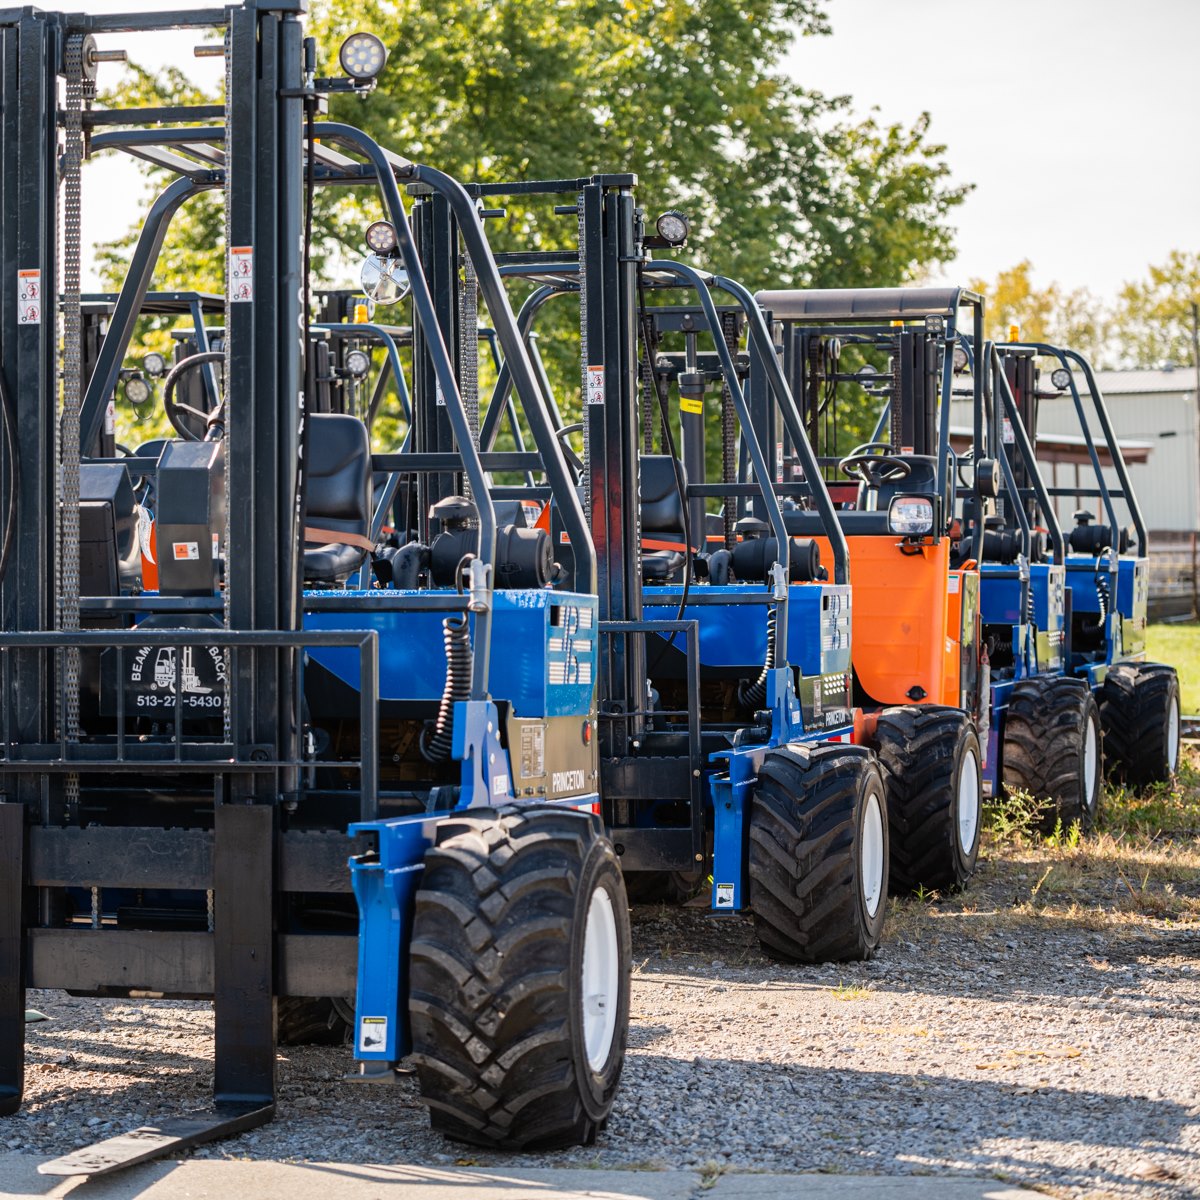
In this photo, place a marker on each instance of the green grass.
(1178, 645)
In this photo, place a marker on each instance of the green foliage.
(1153, 318)
(783, 185)
(1075, 319)
(1014, 817)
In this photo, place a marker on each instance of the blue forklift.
(268, 780)
(728, 759)
(1107, 568)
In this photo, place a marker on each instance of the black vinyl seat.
(662, 516)
(337, 513)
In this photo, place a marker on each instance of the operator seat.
(337, 511)
(662, 518)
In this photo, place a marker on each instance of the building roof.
(1067, 447)
(1125, 383)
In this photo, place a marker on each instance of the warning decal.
(29, 297)
(185, 551)
(241, 274)
(724, 897)
(372, 1034)
(595, 385)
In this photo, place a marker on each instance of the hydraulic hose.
(9, 414)
(754, 695)
(456, 633)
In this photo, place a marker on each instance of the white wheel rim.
(1091, 758)
(871, 853)
(969, 801)
(1173, 737)
(601, 979)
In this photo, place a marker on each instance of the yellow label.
(691, 406)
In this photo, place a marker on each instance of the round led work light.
(362, 56)
(673, 227)
(137, 390)
(154, 364)
(381, 237)
(1061, 379)
(358, 363)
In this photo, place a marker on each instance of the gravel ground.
(1043, 1053)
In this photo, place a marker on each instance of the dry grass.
(1139, 870)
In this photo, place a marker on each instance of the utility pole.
(1196, 444)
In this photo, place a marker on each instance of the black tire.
(813, 897)
(932, 769)
(313, 1021)
(1047, 751)
(496, 978)
(1139, 710)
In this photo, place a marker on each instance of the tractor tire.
(313, 1021)
(1139, 710)
(818, 853)
(931, 768)
(519, 978)
(1052, 747)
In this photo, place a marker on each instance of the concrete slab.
(219, 1179)
(862, 1187)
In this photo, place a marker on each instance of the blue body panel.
(1000, 589)
(734, 635)
(559, 681)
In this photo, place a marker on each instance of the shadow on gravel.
(788, 1117)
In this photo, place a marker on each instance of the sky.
(1078, 121)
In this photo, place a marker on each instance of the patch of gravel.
(1042, 1053)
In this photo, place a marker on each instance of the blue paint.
(558, 681)
(735, 635)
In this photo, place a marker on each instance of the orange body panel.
(906, 623)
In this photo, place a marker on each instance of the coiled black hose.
(456, 633)
(14, 474)
(754, 695)
(1102, 594)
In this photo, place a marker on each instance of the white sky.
(1077, 120)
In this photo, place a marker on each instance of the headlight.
(1061, 379)
(384, 280)
(362, 56)
(911, 516)
(673, 227)
(154, 364)
(358, 363)
(960, 359)
(137, 390)
(935, 325)
(381, 237)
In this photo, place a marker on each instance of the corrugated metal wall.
(1168, 483)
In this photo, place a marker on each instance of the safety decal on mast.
(29, 297)
(595, 385)
(241, 274)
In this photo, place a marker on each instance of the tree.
(784, 186)
(1152, 325)
(1074, 319)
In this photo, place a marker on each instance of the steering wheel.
(176, 411)
(572, 458)
(875, 463)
